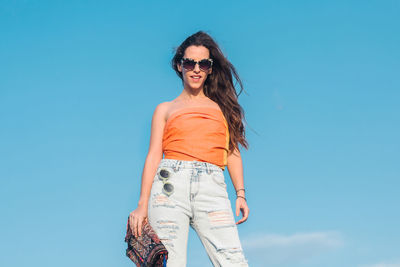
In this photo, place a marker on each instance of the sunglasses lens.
(188, 64)
(168, 188)
(164, 174)
(205, 64)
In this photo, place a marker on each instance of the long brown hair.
(219, 85)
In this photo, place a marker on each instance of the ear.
(179, 65)
(209, 71)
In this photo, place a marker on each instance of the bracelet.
(241, 197)
(240, 189)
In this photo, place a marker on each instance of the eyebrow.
(196, 60)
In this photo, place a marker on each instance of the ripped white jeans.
(194, 193)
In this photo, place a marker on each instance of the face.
(195, 78)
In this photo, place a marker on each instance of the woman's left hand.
(241, 205)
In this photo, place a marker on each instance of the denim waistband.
(178, 164)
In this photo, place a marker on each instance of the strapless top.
(197, 133)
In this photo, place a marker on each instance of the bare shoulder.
(161, 110)
(173, 106)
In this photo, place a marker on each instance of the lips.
(196, 77)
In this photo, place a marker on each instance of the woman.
(198, 132)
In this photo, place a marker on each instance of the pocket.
(219, 178)
(164, 180)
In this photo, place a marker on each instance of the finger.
(237, 209)
(245, 214)
(140, 226)
(240, 221)
(237, 212)
(135, 227)
(131, 223)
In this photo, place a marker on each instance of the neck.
(193, 94)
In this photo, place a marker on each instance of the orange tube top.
(197, 133)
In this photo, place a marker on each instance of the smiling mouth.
(195, 77)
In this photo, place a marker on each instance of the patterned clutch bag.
(146, 250)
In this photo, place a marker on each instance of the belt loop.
(176, 165)
(173, 165)
(208, 170)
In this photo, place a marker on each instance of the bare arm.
(155, 153)
(235, 168)
(150, 167)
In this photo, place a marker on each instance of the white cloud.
(293, 248)
(324, 239)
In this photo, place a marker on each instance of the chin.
(195, 85)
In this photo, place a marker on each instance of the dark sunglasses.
(190, 64)
(164, 175)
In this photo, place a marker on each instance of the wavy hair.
(219, 85)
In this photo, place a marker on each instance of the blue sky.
(79, 81)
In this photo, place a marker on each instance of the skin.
(192, 95)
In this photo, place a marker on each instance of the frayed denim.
(194, 193)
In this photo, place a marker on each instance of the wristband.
(241, 189)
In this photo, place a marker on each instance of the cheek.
(185, 77)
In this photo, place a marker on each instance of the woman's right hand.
(137, 218)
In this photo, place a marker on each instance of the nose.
(196, 68)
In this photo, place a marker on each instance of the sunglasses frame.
(197, 63)
(165, 182)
